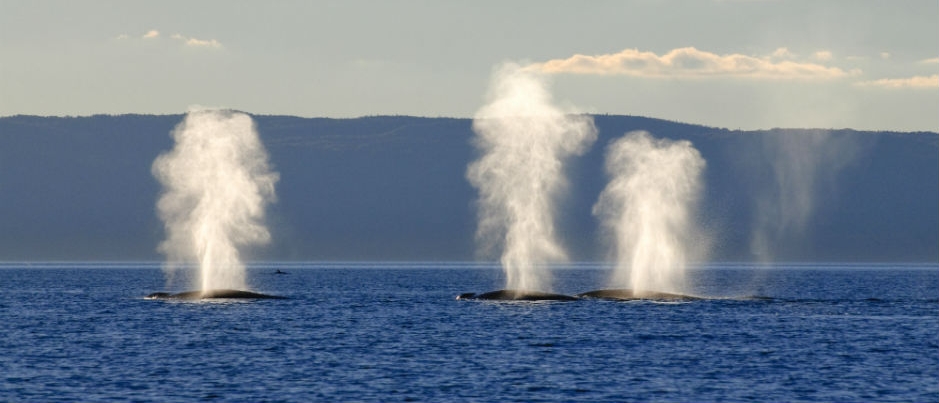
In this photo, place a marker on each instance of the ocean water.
(394, 332)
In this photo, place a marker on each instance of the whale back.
(517, 295)
(213, 294)
(630, 295)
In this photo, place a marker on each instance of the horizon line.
(94, 115)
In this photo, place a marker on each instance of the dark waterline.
(393, 332)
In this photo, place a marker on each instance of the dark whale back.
(213, 294)
(630, 295)
(517, 295)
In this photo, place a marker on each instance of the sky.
(744, 64)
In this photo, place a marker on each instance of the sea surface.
(394, 332)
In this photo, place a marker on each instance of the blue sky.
(735, 64)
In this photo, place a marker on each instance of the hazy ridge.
(394, 188)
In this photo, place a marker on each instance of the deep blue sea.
(394, 332)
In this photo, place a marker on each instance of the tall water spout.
(647, 210)
(216, 185)
(524, 140)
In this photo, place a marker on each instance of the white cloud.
(822, 55)
(691, 62)
(210, 43)
(934, 60)
(783, 53)
(885, 55)
(926, 82)
(199, 43)
(184, 40)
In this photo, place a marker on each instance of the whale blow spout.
(213, 294)
(631, 295)
(516, 295)
(524, 141)
(217, 183)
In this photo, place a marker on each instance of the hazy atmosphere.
(868, 65)
(469, 201)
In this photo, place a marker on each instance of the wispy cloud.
(925, 82)
(782, 53)
(691, 62)
(934, 60)
(153, 35)
(823, 55)
(208, 43)
(198, 43)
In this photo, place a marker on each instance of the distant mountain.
(394, 188)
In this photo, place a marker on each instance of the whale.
(632, 295)
(212, 294)
(515, 295)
